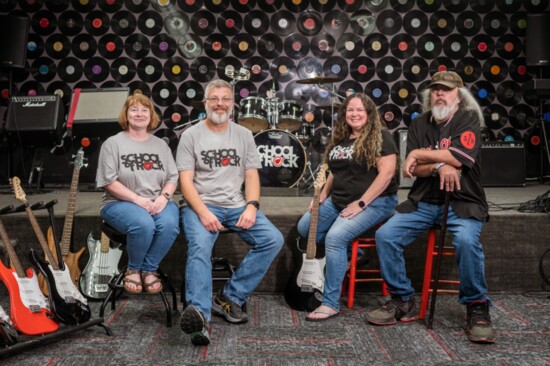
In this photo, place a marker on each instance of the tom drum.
(253, 114)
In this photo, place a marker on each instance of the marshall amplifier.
(502, 164)
(35, 120)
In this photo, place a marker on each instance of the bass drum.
(253, 114)
(283, 158)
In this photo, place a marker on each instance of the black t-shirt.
(352, 178)
(461, 136)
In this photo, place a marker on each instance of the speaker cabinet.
(401, 142)
(502, 164)
(14, 34)
(537, 38)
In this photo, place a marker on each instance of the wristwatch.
(254, 203)
(167, 195)
(361, 204)
(435, 169)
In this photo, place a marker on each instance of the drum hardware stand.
(273, 106)
(335, 97)
(241, 74)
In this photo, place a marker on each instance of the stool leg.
(427, 274)
(352, 272)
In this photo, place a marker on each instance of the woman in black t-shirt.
(360, 192)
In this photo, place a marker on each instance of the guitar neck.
(311, 249)
(105, 241)
(40, 235)
(11, 252)
(65, 244)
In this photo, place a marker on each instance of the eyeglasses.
(217, 99)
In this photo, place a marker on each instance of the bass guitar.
(304, 290)
(67, 303)
(69, 258)
(102, 266)
(29, 309)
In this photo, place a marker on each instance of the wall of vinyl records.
(170, 49)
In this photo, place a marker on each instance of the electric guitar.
(70, 259)
(29, 309)
(8, 334)
(67, 303)
(102, 266)
(304, 290)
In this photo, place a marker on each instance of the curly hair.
(138, 98)
(368, 145)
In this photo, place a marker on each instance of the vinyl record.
(31, 6)
(482, 6)
(244, 89)
(229, 22)
(336, 66)
(415, 69)
(495, 69)
(58, 46)
(350, 5)
(509, 46)
(70, 69)
(429, 46)
(442, 23)
(203, 23)
(270, 45)
(44, 22)
(109, 6)
(283, 69)
(378, 91)
(403, 93)
(83, 46)
(518, 23)
(323, 5)
(299, 93)
(362, 69)
(484, 92)
(376, 6)
(320, 94)
(521, 116)
(191, 91)
(123, 23)
(336, 22)
(31, 88)
(533, 139)
(509, 93)
(349, 87)
(176, 69)
(296, 46)
(256, 22)
(376, 45)
(388, 22)
(283, 23)
(402, 6)
(536, 6)
(174, 116)
(441, 64)
(309, 23)
(243, 45)
(43, 69)
(388, 69)
(164, 93)
(259, 68)
(243, 6)
(227, 66)
(137, 46)
(83, 6)
(423, 86)
(509, 6)
(296, 6)
(509, 134)
(495, 24)
(35, 46)
(203, 69)
(137, 6)
(70, 23)
(428, 6)
(455, 6)
(110, 46)
(362, 22)
(468, 23)
(190, 46)
(149, 69)
(62, 89)
(455, 46)
(139, 86)
(97, 23)
(309, 67)
(411, 112)
(123, 69)
(415, 22)
(176, 23)
(96, 69)
(168, 136)
(271, 88)
(391, 115)
(402, 46)
(216, 6)
(7, 6)
(111, 84)
(482, 46)
(322, 45)
(216, 46)
(270, 6)
(495, 116)
(518, 70)
(150, 23)
(163, 45)
(469, 69)
(349, 45)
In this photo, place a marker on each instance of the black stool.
(116, 286)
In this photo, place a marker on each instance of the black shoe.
(479, 328)
(194, 323)
(226, 308)
(392, 310)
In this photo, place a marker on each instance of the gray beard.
(441, 113)
(217, 118)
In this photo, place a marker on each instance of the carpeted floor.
(278, 335)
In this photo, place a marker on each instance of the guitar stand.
(64, 330)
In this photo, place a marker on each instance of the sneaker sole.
(217, 310)
(191, 320)
(199, 339)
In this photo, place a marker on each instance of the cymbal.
(329, 107)
(319, 80)
(198, 105)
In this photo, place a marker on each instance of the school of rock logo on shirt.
(142, 161)
(277, 156)
(341, 153)
(221, 158)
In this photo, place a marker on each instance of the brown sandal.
(137, 284)
(148, 285)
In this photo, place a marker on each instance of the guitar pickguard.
(31, 296)
(101, 267)
(312, 275)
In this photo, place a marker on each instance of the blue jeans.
(148, 237)
(337, 233)
(264, 238)
(403, 228)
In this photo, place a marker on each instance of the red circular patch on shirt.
(468, 139)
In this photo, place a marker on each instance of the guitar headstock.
(321, 177)
(79, 160)
(15, 183)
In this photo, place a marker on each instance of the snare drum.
(283, 158)
(253, 114)
(290, 116)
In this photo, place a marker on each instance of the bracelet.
(166, 195)
(435, 169)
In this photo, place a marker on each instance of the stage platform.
(513, 241)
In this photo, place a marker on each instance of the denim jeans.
(264, 238)
(403, 228)
(337, 233)
(148, 237)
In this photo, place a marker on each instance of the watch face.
(361, 203)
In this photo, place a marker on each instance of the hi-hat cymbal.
(319, 80)
(329, 107)
(198, 105)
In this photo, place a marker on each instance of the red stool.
(431, 252)
(351, 277)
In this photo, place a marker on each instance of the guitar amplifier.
(35, 120)
(502, 164)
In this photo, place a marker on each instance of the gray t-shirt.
(142, 166)
(219, 161)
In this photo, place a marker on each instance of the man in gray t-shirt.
(215, 158)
